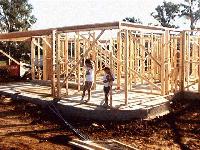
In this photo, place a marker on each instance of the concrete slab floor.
(139, 104)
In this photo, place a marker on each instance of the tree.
(15, 15)
(190, 9)
(132, 19)
(166, 13)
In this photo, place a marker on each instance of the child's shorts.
(106, 89)
(88, 85)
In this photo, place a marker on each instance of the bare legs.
(87, 87)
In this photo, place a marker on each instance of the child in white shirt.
(89, 77)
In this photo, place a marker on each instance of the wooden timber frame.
(165, 60)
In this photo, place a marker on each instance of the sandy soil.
(27, 126)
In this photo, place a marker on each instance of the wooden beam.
(162, 67)
(85, 54)
(49, 57)
(10, 57)
(111, 67)
(94, 58)
(182, 59)
(144, 78)
(33, 59)
(44, 56)
(76, 28)
(58, 61)
(118, 59)
(24, 34)
(128, 25)
(78, 58)
(142, 60)
(126, 60)
(66, 49)
(38, 59)
(146, 51)
(53, 84)
(46, 41)
(167, 61)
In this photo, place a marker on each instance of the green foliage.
(190, 9)
(132, 19)
(166, 13)
(15, 15)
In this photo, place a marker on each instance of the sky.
(58, 13)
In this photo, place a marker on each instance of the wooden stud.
(44, 58)
(142, 61)
(83, 72)
(94, 59)
(49, 58)
(66, 63)
(188, 59)
(33, 59)
(75, 57)
(130, 59)
(38, 59)
(10, 57)
(162, 68)
(111, 67)
(85, 54)
(167, 61)
(126, 66)
(53, 84)
(78, 58)
(58, 50)
(182, 59)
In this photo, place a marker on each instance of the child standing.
(89, 77)
(108, 79)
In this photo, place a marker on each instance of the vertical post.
(151, 62)
(39, 60)
(33, 59)
(142, 59)
(182, 60)
(49, 58)
(44, 59)
(75, 57)
(84, 47)
(136, 55)
(58, 49)
(111, 67)
(176, 69)
(100, 61)
(66, 50)
(167, 61)
(187, 59)
(162, 68)
(134, 49)
(53, 84)
(126, 66)
(130, 60)
(78, 58)
(94, 58)
(194, 57)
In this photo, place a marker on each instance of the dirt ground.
(25, 126)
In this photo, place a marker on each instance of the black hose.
(54, 109)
